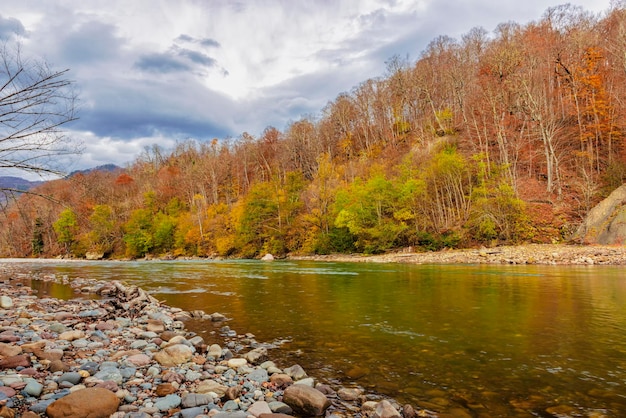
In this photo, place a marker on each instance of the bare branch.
(35, 105)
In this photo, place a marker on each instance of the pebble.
(147, 361)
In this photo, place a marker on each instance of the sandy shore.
(556, 254)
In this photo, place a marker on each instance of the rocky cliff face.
(605, 223)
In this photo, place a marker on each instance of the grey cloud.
(197, 57)
(206, 42)
(128, 109)
(174, 61)
(91, 42)
(161, 63)
(209, 42)
(9, 27)
(184, 38)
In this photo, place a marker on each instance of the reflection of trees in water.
(51, 289)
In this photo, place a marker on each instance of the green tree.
(367, 210)
(496, 212)
(164, 228)
(138, 236)
(66, 228)
(102, 235)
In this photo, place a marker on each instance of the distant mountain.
(18, 183)
(105, 167)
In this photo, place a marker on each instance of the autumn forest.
(503, 137)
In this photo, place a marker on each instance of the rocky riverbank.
(126, 355)
(557, 254)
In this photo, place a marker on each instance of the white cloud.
(160, 71)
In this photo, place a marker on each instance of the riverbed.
(497, 340)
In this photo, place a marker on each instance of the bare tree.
(35, 104)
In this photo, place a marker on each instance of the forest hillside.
(494, 138)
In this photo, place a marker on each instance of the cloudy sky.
(161, 71)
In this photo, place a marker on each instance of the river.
(486, 340)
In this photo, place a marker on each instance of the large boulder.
(606, 222)
(306, 400)
(85, 403)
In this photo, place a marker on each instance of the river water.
(459, 339)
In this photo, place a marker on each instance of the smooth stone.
(33, 347)
(281, 379)
(139, 344)
(50, 355)
(307, 381)
(154, 325)
(22, 322)
(7, 391)
(268, 364)
(8, 337)
(91, 367)
(72, 377)
(57, 327)
(91, 402)
(325, 389)
(94, 313)
(217, 317)
(408, 411)
(232, 392)
(192, 412)
(168, 402)
(165, 389)
(178, 339)
(108, 365)
(230, 406)
(237, 414)
(296, 372)
(33, 388)
(384, 409)
(235, 363)
(306, 400)
(259, 375)
(174, 355)
(6, 302)
(109, 385)
(110, 373)
(215, 351)
(127, 372)
(81, 343)
(40, 407)
(207, 386)
(153, 371)
(137, 414)
(196, 399)
(22, 360)
(258, 408)
(349, 394)
(8, 350)
(192, 376)
(197, 341)
(58, 366)
(167, 335)
(257, 355)
(138, 360)
(77, 388)
(71, 335)
(280, 408)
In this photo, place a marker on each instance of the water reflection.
(492, 340)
